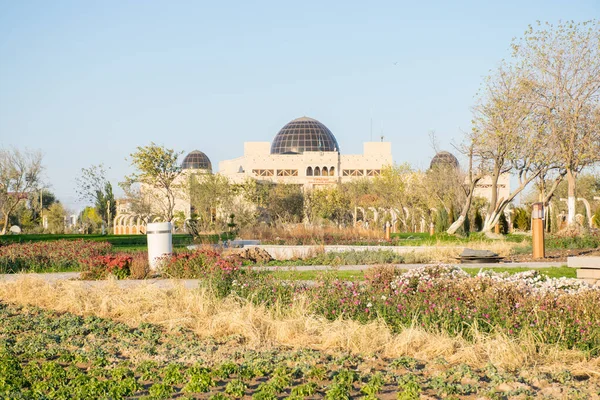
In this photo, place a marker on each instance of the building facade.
(305, 152)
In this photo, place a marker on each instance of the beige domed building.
(306, 152)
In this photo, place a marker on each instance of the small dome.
(304, 134)
(196, 160)
(444, 159)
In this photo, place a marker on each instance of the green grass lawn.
(118, 242)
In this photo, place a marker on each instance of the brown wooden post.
(537, 230)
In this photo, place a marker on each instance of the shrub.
(573, 241)
(218, 272)
(522, 219)
(100, 267)
(139, 266)
(59, 255)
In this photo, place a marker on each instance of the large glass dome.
(196, 160)
(304, 134)
(444, 159)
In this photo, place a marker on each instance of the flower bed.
(443, 298)
(437, 298)
(54, 256)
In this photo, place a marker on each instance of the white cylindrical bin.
(160, 242)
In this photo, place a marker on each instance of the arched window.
(325, 172)
(332, 171)
(309, 171)
(317, 171)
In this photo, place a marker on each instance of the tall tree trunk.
(463, 215)
(571, 198)
(5, 224)
(465, 210)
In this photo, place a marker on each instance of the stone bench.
(588, 268)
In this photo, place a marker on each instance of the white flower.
(383, 298)
(369, 305)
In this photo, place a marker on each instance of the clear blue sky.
(86, 82)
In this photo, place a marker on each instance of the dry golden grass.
(294, 326)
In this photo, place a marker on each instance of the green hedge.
(115, 240)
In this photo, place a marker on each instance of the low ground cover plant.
(53, 256)
(44, 354)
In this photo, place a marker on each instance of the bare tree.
(563, 61)
(140, 203)
(508, 138)
(19, 176)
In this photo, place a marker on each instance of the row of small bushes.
(94, 259)
(61, 255)
(116, 240)
(590, 240)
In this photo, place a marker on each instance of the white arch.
(588, 210)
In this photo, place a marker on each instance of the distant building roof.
(196, 160)
(304, 134)
(444, 159)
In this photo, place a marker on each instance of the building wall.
(484, 187)
(258, 163)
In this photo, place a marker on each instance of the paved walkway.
(192, 283)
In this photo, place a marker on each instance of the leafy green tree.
(210, 195)
(56, 218)
(40, 200)
(157, 171)
(441, 220)
(328, 203)
(285, 203)
(90, 220)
